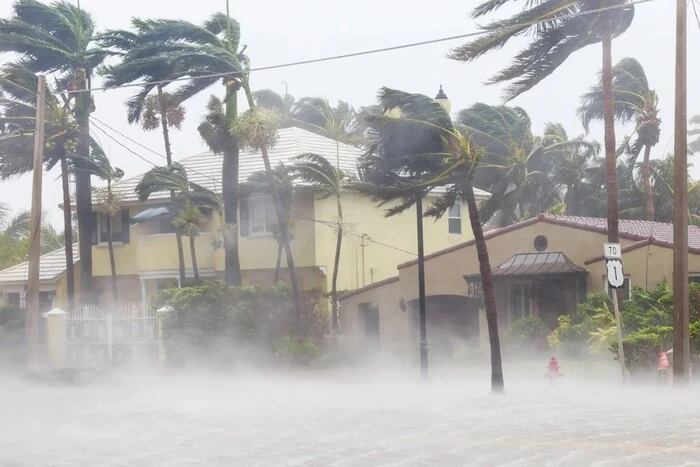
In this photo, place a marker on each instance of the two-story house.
(146, 254)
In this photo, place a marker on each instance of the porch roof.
(534, 264)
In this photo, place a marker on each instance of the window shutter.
(125, 226)
(244, 225)
(95, 228)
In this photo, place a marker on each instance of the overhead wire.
(366, 52)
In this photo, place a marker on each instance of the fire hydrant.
(553, 371)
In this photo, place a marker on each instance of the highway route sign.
(616, 276)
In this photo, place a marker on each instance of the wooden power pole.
(681, 324)
(32, 319)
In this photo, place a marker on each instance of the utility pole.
(681, 324)
(32, 318)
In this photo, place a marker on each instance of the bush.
(642, 348)
(296, 350)
(526, 334)
(572, 335)
(224, 323)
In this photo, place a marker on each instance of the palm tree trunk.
(83, 192)
(68, 234)
(609, 124)
(195, 269)
(568, 201)
(112, 261)
(647, 183)
(229, 180)
(497, 384)
(610, 152)
(169, 159)
(278, 265)
(336, 266)
(284, 235)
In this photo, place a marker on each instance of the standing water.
(317, 418)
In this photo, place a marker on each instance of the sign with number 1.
(616, 276)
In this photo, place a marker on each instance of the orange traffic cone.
(663, 361)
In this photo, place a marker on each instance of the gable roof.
(51, 266)
(205, 169)
(657, 233)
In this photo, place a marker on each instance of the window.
(120, 228)
(13, 299)
(694, 278)
(454, 219)
(519, 300)
(625, 289)
(257, 216)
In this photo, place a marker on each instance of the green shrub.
(642, 348)
(224, 323)
(571, 336)
(295, 350)
(526, 334)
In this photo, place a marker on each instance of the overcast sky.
(286, 31)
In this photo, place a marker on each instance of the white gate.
(125, 336)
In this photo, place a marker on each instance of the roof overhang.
(528, 265)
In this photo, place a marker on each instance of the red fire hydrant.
(553, 370)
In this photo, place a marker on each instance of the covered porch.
(544, 285)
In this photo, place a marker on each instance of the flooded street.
(344, 419)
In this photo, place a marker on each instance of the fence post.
(161, 316)
(56, 337)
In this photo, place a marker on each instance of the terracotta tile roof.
(51, 266)
(660, 233)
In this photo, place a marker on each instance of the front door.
(371, 326)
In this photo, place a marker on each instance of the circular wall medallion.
(540, 243)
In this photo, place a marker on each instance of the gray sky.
(285, 31)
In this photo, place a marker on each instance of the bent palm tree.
(110, 202)
(326, 181)
(60, 38)
(560, 28)
(633, 100)
(61, 136)
(191, 201)
(418, 149)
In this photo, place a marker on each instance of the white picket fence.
(124, 336)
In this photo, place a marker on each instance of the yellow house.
(52, 281)
(541, 267)
(146, 254)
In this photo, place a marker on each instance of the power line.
(122, 145)
(366, 52)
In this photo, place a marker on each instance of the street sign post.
(616, 280)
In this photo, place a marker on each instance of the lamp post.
(442, 99)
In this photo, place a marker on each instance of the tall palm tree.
(259, 184)
(19, 86)
(59, 38)
(269, 99)
(327, 181)
(415, 150)
(633, 100)
(191, 203)
(14, 226)
(574, 169)
(192, 50)
(339, 123)
(162, 110)
(559, 28)
(100, 166)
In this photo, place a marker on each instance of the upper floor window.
(454, 219)
(120, 227)
(257, 215)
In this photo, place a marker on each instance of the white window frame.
(451, 217)
(626, 296)
(268, 207)
(526, 295)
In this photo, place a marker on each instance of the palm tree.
(633, 100)
(415, 150)
(326, 181)
(51, 240)
(269, 99)
(259, 184)
(338, 123)
(695, 132)
(163, 110)
(574, 168)
(61, 140)
(15, 226)
(110, 202)
(191, 50)
(59, 38)
(191, 203)
(560, 28)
